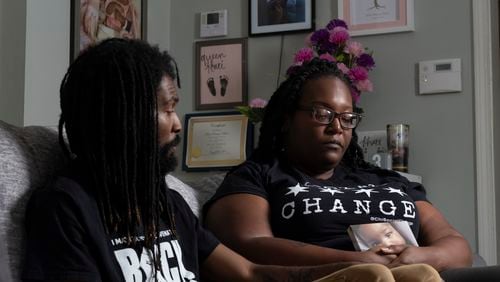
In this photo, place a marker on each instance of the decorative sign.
(374, 145)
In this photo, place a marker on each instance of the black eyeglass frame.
(333, 114)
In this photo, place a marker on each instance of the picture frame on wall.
(221, 74)
(267, 17)
(95, 20)
(216, 141)
(378, 16)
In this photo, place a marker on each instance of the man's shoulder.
(62, 191)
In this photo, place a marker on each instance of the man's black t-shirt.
(320, 211)
(66, 240)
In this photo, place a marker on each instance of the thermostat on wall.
(213, 23)
(440, 76)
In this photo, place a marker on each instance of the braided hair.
(109, 114)
(285, 101)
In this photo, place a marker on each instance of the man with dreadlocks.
(111, 216)
(307, 182)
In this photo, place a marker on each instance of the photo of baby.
(366, 236)
(101, 19)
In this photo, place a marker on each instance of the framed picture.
(221, 74)
(365, 17)
(216, 141)
(280, 16)
(95, 20)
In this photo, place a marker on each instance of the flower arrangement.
(333, 44)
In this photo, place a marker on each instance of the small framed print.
(374, 147)
(221, 74)
(216, 141)
(95, 20)
(267, 17)
(365, 17)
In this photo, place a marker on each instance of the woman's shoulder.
(371, 174)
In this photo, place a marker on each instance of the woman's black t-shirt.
(320, 211)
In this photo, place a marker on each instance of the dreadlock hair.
(285, 101)
(109, 112)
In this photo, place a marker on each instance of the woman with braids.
(292, 202)
(111, 216)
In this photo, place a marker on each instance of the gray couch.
(29, 158)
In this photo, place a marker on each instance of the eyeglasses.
(324, 115)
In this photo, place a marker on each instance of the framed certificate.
(365, 17)
(216, 141)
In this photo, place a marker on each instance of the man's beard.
(168, 160)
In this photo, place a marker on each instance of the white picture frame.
(367, 17)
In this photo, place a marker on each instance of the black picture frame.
(278, 17)
(216, 141)
(95, 17)
(221, 74)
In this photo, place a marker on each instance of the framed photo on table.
(365, 17)
(95, 20)
(267, 17)
(216, 141)
(221, 74)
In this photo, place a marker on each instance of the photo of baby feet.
(223, 84)
(211, 85)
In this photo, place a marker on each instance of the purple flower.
(343, 68)
(336, 22)
(339, 35)
(333, 44)
(321, 40)
(257, 103)
(327, 57)
(364, 85)
(354, 48)
(358, 73)
(365, 60)
(304, 55)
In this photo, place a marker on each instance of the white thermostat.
(440, 76)
(213, 23)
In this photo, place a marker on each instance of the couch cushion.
(29, 158)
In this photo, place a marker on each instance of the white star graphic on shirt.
(366, 191)
(332, 191)
(297, 189)
(394, 190)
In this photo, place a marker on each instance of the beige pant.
(372, 272)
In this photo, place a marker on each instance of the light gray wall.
(263, 52)
(47, 49)
(158, 23)
(12, 42)
(495, 31)
(34, 55)
(441, 126)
